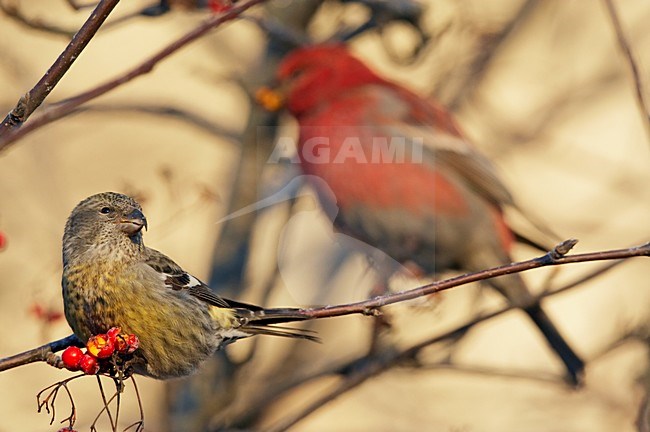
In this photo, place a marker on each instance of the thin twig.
(105, 408)
(555, 257)
(40, 354)
(542, 377)
(33, 99)
(118, 404)
(139, 425)
(489, 51)
(12, 11)
(65, 107)
(587, 277)
(107, 402)
(49, 401)
(632, 63)
(196, 120)
(78, 6)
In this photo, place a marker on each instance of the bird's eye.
(105, 210)
(296, 73)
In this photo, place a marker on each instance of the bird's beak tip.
(133, 222)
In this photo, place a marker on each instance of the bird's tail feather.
(275, 330)
(574, 364)
(263, 321)
(515, 290)
(277, 316)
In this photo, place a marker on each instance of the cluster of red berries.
(99, 347)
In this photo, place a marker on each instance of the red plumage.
(402, 175)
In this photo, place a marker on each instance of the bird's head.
(105, 226)
(310, 76)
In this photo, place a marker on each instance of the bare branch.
(588, 276)
(76, 6)
(489, 51)
(9, 134)
(33, 99)
(43, 353)
(13, 12)
(193, 119)
(632, 63)
(554, 257)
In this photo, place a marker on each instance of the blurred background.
(541, 87)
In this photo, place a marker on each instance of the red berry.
(89, 365)
(3, 240)
(133, 342)
(67, 429)
(72, 357)
(120, 344)
(100, 346)
(126, 344)
(112, 333)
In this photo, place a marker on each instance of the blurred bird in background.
(402, 175)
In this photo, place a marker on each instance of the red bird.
(404, 178)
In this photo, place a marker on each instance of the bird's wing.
(443, 144)
(253, 319)
(178, 279)
(460, 156)
(403, 114)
